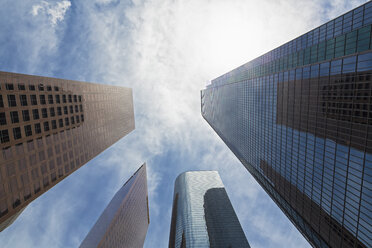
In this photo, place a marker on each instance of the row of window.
(35, 177)
(40, 87)
(38, 144)
(309, 49)
(356, 41)
(4, 134)
(42, 99)
(14, 117)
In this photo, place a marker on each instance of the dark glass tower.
(299, 118)
(202, 214)
(125, 220)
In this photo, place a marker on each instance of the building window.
(46, 126)
(58, 99)
(79, 98)
(14, 116)
(33, 100)
(35, 114)
(28, 130)
(54, 124)
(64, 98)
(65, 110)
(17, 133)
(49, 88)
(41, 87)
(2, 119)
(52, 112)
(37, 187)
(12, 101)
(9, 86)
(81, 108)
(72, 120)
(78, 119)
(50, 99)
(75, 98)
(59, 110)
(71, 109)
(21, 87)
(56, 88)
(76, 108)
(44, 113)
(82, 118)
(1, 101)
(67, 121)
(69, 98)
(31, 87)
(4, 136)
(42, 99)
(25, 115)
(23, 100)
(53, 176)
(37, 128)
(46, 182)
(60, 122)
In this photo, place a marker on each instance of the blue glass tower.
(299, 118)
(202, 214)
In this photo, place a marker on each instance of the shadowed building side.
(224, 229)
(318, 219)
(336, 107)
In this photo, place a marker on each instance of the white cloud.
(104, 1)
(55, 12)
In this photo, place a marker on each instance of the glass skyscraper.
(202, 214)
(125, 220)
(51, 127)
(299, 118)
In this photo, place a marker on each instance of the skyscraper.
(49, 128)
(202, 214)
(125, 220)
(299, 118)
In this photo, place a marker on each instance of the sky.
(166, 51)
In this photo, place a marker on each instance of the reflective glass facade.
(49, 128)
(202, 214)
(299, 118)
(125, 220)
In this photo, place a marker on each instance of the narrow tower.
(125, 220)
(202, 214)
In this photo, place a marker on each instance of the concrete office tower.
(202, 214)
(125, 220)
(299, 118)
(49, 128)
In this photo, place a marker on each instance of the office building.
(299, 118)
(125, 220)
(49, 128)
(202, 214)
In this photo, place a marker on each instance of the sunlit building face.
(125, 220)
(51, 127)
(299, 118)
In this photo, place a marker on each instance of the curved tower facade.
(202, 214)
